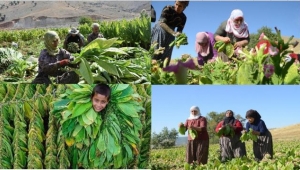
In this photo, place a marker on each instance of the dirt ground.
(65, 12)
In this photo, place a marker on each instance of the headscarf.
(242, 31)
(194, 116)
(202, 37)
(49, 37)
(229, 120)
(253, 114)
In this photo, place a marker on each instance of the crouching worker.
(53, 61)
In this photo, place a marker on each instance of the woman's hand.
(181, 124)
(176, 34)
(226, 39)
(64, 62)
(255, 132)
(238, 44)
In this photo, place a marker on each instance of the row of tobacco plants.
(55, 127)
(121, 57)
(272, 63)
(286, 157)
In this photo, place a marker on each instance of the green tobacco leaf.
(292, 75)
(109, 67)
(80, 136)
(205, 80)
(76, 130)
(116, 88)
(118, 160)
(91, 114)
(193, 133)
(101, 43)
(113, 51)
(229, 50)
(243, 75)
(101, 145)
(182, 130)
(59, 105)
(128, 109)
(28, 110)
(92, 152)
(80, 109)
(85, 71)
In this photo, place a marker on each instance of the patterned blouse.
(200, 122)
(172, 18)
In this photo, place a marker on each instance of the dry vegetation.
(286, 133)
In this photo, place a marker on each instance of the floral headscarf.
(242, 31)
(194, 116)
(49, 37)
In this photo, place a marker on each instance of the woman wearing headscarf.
(204, 46)
(164, 32)
(52, 62)
(264, 143)
(231, 147)
(235, 31)
(197, 149)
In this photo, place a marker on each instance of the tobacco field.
(286, 157)
(121, 57)
(272, 63)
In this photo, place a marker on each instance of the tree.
(254, 37)
(85, 20)
(165, 139)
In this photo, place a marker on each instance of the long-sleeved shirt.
(48, 65)
(259, 126)
(200, 122)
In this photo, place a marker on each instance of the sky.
(200, 17)
(277, 105)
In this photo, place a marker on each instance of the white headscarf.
(194, 116)
(242, 31)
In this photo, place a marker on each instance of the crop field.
(276, 67)
(122, 57)
(286, 157)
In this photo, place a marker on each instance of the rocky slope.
(34, 14)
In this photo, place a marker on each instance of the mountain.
(32, 14)
(181, 141)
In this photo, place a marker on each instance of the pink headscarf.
(242, 31)
(202, 37)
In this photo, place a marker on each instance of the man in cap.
(74, 37)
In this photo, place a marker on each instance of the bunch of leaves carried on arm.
(248, 136)
(226, 130)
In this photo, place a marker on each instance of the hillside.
(297, 48)
(286, 133)
(33, 14)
